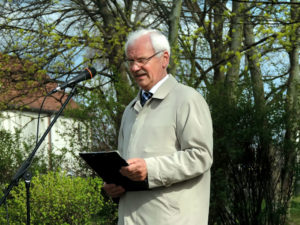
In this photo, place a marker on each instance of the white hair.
(158, 40)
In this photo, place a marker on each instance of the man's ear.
(166, 59)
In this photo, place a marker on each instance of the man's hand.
(136, 171)
(113, 190)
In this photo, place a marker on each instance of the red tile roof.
(25, 88)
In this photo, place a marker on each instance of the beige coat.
(173, 133)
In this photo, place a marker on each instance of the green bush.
(13, 152)
(59, 199)
(294, 216)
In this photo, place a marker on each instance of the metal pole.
(27, 178)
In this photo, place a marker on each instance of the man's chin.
(142, 83)
(140, 79)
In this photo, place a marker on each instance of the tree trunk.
(292, 103)
(266, 155)
(174, 19)
(235, 47)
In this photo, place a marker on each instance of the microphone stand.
(27, 178)
(26, 164)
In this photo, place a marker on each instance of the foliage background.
(59, 199)
(243, 56)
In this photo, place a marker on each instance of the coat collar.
(165, 88)
(161, 92)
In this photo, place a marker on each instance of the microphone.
(87, 74)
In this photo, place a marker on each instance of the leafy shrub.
(13, 151)
(294, 216)
(58, 199)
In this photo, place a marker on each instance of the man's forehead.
(140, 49)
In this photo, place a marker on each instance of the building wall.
(54, 142)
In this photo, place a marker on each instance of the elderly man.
(166, 138)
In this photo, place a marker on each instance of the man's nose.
(135, 67)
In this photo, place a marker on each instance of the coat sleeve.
(195, 136)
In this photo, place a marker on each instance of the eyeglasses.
(141, 61)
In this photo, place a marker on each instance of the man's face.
(153, 70)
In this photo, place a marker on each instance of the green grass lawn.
(295, 212)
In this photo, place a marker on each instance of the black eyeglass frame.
(141, 61)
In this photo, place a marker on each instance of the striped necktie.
(145, 97)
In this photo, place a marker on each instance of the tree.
(231, 51)
(247, 158)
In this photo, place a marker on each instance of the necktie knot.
(145, 97)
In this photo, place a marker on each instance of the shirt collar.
(169, 81)
(157, 85)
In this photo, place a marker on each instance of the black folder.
(107, 165)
